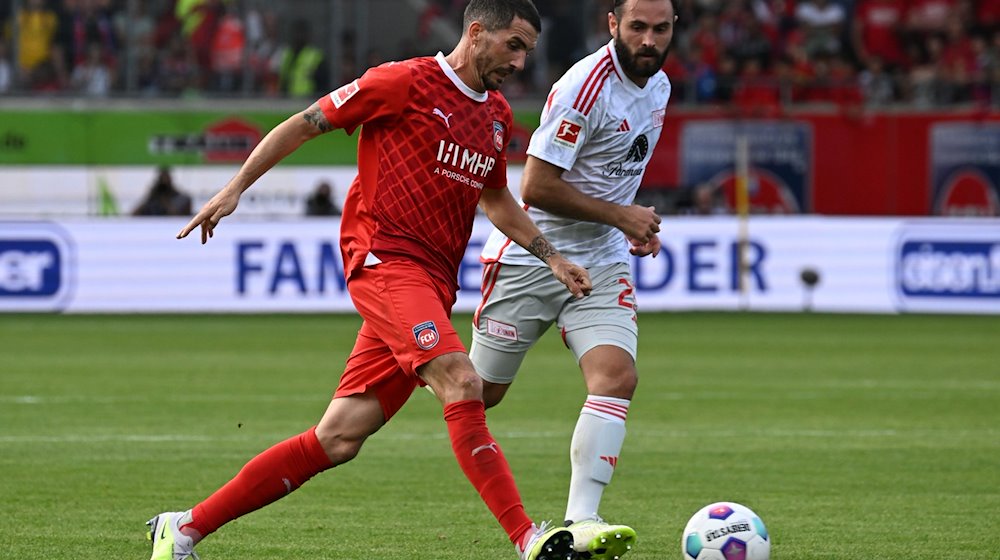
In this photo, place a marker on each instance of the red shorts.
(407, 323)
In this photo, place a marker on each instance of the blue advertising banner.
(37, 266)
(781, 160)
(965, 169)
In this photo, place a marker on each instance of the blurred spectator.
(834, 81)
(598, 33)
(960, 60)
(876, 84)
(930, 52)
(147, 72)
(680, 69)
(166, 25)
(754, 42)
(227, 49)
(984, 62)
(706, 200)
(84, 23)
(199, 21)
(777, 17)
(93, 76)
(927, 17)
(705, 37)
(928, 75)
(137, 30)
(756, 93)
(163, 198)
(302, 72)
(877, 31)
(705, 77)
(178, 68)
(320, 202)
(433, 11)
(726, 79)
(733, 23)
(264, 44)
(564, 40)
(6, 69)
(822, 23)
(987, 15)
(992, 70)
(348, 69)
(39, 63)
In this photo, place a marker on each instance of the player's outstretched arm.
(275, 146)
(505, 213)
(542, 187)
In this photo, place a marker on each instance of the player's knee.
(453, 378)
(464, 385)
(627, 382)
(338, 447)
(613, 382)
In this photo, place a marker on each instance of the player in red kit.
(434, 133)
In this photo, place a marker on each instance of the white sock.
(593, 453)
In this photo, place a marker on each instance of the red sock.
(485, 466)
(267, 478)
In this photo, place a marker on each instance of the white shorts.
(520, 303)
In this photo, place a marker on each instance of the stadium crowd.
(757, 54)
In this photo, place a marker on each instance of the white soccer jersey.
(601, 128)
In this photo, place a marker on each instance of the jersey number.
(626, 294)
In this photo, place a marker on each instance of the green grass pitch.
(854, 437)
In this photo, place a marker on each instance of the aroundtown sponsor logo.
(944, 268)
(36, 267)
(951, 269)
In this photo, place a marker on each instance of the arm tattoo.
(541, 248)
(314, 116)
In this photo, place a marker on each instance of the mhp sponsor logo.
(949, 269)
(35, 267)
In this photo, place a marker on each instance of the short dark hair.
(616, 7)
(498, 14)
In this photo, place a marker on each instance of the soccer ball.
(725, 531)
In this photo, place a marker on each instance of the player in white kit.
(598, 129)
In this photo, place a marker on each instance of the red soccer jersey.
(881, 22)
(428, 146)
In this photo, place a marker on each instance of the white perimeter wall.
(136, 265)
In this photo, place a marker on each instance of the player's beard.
(490, 82)
(631, 62)
(490, 77)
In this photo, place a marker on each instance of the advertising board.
(877, 265)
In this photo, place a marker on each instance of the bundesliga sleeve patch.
(567, 133)
(426, 335)
(341, 95)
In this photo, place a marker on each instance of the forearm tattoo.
(541, 248)
(314, 115)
